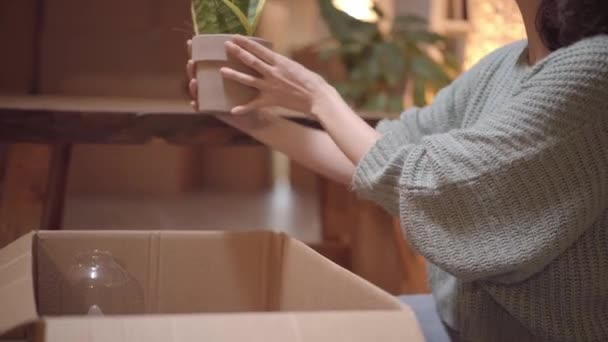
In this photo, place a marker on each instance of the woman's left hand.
(282, 82)
(285, 83)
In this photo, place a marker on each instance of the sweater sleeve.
(443, 115)
(502, 199)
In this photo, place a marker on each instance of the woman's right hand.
(310, 147)
(192, 84)
(281, 82)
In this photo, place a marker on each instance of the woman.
(502, 183)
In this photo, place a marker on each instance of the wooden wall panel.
(152, 169)
(133, 48)
(17, 28)
(115, 47)
(302, 179)
(235, 168)
(24, 195)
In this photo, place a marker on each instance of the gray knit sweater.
(502, 184)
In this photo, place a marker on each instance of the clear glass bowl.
(96, 284)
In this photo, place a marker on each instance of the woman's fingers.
(190, 68)
(257, 49)
(240, 77)
(193, 87)
(249, 107)
(249, 52)
(248, 58)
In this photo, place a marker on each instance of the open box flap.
(17, 285)
(313, 283)
(386, 326)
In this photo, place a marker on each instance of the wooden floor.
(280, 209)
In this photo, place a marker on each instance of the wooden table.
(42, 129)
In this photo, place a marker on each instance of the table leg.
(34, 189)
(58, 179)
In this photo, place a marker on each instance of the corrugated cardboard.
(208, 286)
(17, 284)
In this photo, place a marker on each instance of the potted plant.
(215, 22)
(381, 67)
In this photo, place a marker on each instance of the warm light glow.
(495, 23)
(358, 9)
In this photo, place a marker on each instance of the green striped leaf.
(236, 11)
(226, 16)
(254, 13)
(213, 17)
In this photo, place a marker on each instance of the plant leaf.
(344, 88)
(243, 5)
(328, 53)
(391, 62)
(410, 20)
(430, 70)
(378, 65)
(422, 36)
(419, 93)
(254, 13)
(213, 16)
(344, 27)
(194, 18)
(377, 102)
(239, 14)
(395, 104)
(451, 62)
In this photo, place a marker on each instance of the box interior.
(206, 272)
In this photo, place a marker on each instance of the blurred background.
(135, 49)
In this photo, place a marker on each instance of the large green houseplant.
(215, 22)
(380, 66)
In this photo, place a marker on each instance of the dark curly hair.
(565, 22)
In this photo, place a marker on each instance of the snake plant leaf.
(236, 11)
(213, 17)
(243, 5)
(254, 13)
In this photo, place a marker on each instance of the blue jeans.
(432, 327)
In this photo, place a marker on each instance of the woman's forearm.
(309, 147)
(353, 136)
(288, 84)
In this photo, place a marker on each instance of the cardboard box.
(205, 286)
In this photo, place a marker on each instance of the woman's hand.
(285, 83)
(193, 83)
(310, 147)
(281, 81)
